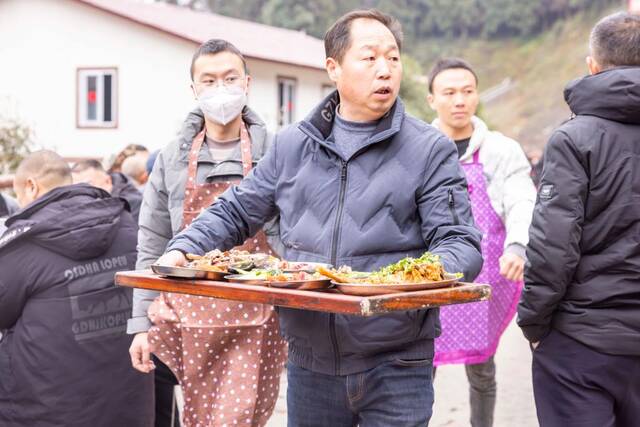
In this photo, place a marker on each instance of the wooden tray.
(327, 301)
(371, 289)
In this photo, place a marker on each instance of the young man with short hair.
(502, 198)
(358, 182)
(219, 144)
(580, 307)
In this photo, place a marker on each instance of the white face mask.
(222, 104)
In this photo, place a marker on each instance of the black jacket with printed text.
(64, 357)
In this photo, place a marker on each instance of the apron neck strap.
(245, 150)
(196, 145)
(476, 156)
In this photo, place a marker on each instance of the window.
(97, 98)
(286, 101)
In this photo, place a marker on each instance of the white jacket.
(509, 184)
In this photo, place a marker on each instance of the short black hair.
(337, 39)
(213, 46)
(615, 40)
(444, 64)
(83, 165)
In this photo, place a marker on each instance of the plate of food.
(281, 279)
(215, 265)
(293, 266)
(408, 274)
(187, 272)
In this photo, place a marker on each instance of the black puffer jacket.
(583, 274)
(124, 188)
(64, 361)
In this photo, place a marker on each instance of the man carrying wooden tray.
(358, 182)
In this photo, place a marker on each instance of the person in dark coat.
(64, 359)
(115, 183)
(580, 308)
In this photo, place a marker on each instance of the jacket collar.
(612, 94)
(480, 131)
(59, 193)
(319, 123)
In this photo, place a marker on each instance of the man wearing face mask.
(214, 151)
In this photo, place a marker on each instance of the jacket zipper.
(452, 208)
(334, 260)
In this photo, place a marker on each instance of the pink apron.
(471, 332)
(227, 355)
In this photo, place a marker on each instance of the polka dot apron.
(471, 332)
(227, 355)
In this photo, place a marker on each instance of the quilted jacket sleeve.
(554, 239)
(445, 211)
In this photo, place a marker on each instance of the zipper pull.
(452, 208)
(343, 173)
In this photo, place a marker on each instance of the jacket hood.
(123, 187)
(613, 95)
(77, 221)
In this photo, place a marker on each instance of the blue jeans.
(396, 393)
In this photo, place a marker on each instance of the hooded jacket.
(402, 193)
(64, 359)
(583, 274)
(124, 188)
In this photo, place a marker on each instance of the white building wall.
(263, 96)
(43, 42)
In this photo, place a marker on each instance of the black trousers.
(165, 407)
(576, 386)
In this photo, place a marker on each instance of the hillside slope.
(539, 69)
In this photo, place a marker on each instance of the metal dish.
(309, 267)
(371, 289)
(187, 273)
(305, 285)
